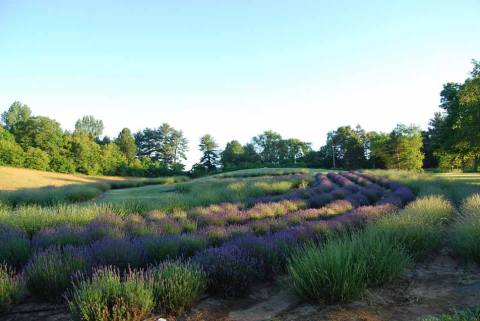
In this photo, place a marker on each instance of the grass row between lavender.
(52, 195)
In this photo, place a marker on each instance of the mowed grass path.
(12, 178)
(233, 187)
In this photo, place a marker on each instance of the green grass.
(199, 192)
(254, 172)
(465, 237)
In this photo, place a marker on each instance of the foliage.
(210, 156)
(466, 232)
(176, 286)
(107, 296)
(11, 287)
(49, 273)
(15, 246)
(90, 126)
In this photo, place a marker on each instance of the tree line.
(452, 141)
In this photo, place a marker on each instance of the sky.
(236, 68)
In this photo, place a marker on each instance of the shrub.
(106, 296)
(48, 274)
(158, 248)
(331, 273)
(121, 253)
(15, 246)
(11, 287)
(60, 236)
(419, 227)
(230, 270)
(466, 231)
(385, 259)
(176, 286)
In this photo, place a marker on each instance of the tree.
(35, 158)
(378, 149)
(89, 125)
(126, 143)
(347, 147)
(406, 148)
(210, 156)
(112, 159)
(164, 144)
(11, 154)
(16, 114)
(41, 132)
(268, 146)
(87, 154)
(232, 156)
(455, 137)
(293, 151)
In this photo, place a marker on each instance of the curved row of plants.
(163, 262)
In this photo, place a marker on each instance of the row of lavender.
(235, 247)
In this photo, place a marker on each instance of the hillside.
(12, 178)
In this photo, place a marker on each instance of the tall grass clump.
(420, 226)
(466, 231)
(49, 273)
(385, 258)
(331, 273)
(11, 287)
(342, 268)
(107, 296)
(472, 314)
(14, 246)
(176, 286)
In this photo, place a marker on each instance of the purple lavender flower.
(230, 270)
(121, 253)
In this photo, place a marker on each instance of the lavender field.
(330, 235)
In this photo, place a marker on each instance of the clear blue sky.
(235, 68)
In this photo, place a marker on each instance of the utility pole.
(333, 155)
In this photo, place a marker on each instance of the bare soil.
(437, 285)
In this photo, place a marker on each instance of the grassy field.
(12, 178)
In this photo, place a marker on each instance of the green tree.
(40, 132)
(268, 146)
(16, 114)
(89, 125)
(406, 148)
(126, 143)
(87, 154)
(347, 147)
(112, 159)
(210, 156)
(11, 154)
(232, 156)
(35, 158)
(164, 144)
(293, 151)
(378, 149)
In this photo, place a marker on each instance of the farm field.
(266, 245)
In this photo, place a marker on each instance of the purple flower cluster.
(230, 269)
